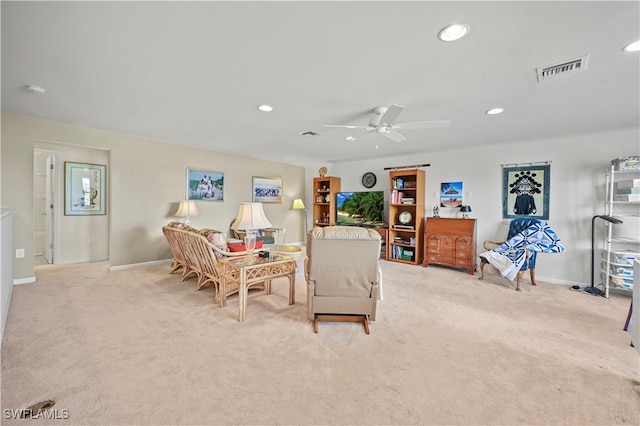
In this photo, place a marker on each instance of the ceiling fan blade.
(392, 113)
(394, 136)
(347, 126)
(422, 125)
(361, 135)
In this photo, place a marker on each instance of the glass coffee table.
(247, 272)
(285, 249)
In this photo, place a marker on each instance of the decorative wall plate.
(322, 171)
(369, 180)
(405, 218)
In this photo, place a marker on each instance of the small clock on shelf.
(369, 180)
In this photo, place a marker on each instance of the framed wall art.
(525, 191)
(451, 194)
(205, 185)
(84, 189)
(267, 190)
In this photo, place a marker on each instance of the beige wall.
(146, 180)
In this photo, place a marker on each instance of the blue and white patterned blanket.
(511, 256)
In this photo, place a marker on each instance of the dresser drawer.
(462, 255)
(438, 242)
(463, 263)
(466, 247)
(435, 258)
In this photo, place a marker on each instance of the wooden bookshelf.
(406, 214)
(324, 200)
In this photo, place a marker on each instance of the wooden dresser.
(450, 242)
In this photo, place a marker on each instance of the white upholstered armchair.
(343, 274)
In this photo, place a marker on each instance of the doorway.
(45, 193)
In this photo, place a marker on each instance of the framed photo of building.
(84, 189)
(267, 190)
(525, 191)
(205, 185)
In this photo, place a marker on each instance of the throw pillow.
(240, 246)
(216, 238)
(180, 225)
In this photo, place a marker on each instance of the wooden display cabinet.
(324, 200)
(450, 242)
(406, 213)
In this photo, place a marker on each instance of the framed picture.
(204, 185)
(451, 194)
(84, 189)
(267, 190)
(525, 191)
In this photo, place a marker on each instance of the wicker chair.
(197, 256)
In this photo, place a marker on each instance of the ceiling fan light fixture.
(265, 108)
(632, 47)
(453, 32)
(495, 111)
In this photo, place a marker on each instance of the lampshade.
(297, 204)
(251, 216)
(187, 209)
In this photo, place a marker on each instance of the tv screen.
(360, 208)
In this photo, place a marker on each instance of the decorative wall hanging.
(205, 186)
(525, 190)
(451, 194)
(267, 190)
(84, 189)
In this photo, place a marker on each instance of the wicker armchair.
(195, 255)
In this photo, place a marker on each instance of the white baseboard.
(557, 281)
(87, 260)
(140, 265)
(27, 280)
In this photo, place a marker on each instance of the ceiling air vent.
(563, 68)
(309, 133)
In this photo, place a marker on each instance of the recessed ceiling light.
(265, 108)
(36, 90)
(453, 32)
(632, 47)
(494, 111)
(350, 138)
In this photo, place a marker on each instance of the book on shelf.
(412, 227)
(398, 197)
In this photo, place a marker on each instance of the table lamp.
(187, 208)
(250, 218)
(465, 211)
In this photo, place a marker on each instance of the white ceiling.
(194, 72)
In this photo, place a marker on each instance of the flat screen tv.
(360, 208)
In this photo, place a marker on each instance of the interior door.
(49, 197)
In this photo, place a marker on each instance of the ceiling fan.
(383, 122)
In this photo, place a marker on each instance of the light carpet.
(142, 347)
